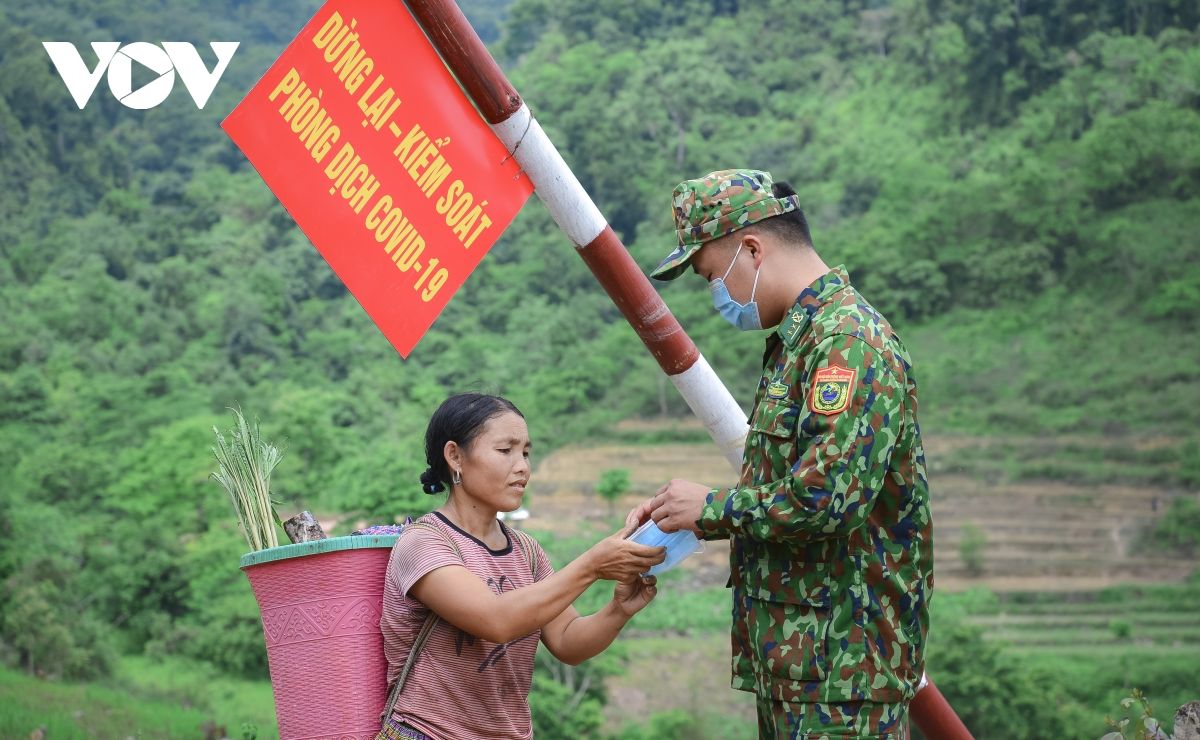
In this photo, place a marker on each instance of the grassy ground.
(242, 706)
(1061, 365)
(145, 699)
(1097, 645)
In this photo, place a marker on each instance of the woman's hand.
(630, 597)
(615, 558)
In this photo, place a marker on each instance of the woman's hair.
(460, 419)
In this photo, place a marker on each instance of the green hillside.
(1016, 186)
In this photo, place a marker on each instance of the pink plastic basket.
(320, 603)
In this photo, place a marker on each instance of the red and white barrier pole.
(934, 715)
(625, 283)
(577, 215)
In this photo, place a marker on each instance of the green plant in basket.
(244, 465)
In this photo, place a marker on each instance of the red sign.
(364, 136)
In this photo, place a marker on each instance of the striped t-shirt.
(461, 686)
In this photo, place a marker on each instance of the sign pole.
(596, 242)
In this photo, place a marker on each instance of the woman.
(485, 594)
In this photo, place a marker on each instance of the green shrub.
(673, 725)
(970, 549)
(45, 631)
(1121, 629)
(1138, 722)
(1179, 527)
(993, 693)
(613, 483)
(558, 714)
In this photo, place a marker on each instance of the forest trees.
(1028, 171)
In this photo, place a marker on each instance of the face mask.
(679, 545)
(743, 316)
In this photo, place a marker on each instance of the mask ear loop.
(731, 263)
(754, 288)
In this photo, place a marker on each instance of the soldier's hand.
(678, 505)
(639, 515)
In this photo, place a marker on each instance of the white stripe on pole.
(557, 186)
(575, 213)
(712, 403)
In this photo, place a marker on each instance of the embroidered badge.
(831, 389)
(777, 390)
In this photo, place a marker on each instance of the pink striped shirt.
(462, 687)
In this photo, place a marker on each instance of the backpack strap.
(431, 621)
(528, 547)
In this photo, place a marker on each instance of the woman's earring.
(457, 479)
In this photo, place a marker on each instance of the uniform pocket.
(788, 636)
(776, 418)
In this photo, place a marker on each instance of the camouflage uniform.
(830, 536)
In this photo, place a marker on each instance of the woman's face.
(495, 470)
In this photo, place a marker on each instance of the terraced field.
(1053, 536)
(1146, 617)
(1069, 584)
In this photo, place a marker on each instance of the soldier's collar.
(798, 318)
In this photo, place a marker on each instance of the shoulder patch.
(831, 390)
(777, 390)
(794, 325)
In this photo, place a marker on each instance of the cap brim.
(675, 264)
(670, 272)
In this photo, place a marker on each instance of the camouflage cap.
(717, 204)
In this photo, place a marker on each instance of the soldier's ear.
(754, 246)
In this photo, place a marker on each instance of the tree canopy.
(1027, 171)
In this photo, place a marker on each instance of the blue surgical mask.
(679, 545)
(742, 315)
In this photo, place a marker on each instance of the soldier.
(830, 538)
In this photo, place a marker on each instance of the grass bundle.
(244, 465)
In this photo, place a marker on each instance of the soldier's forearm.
(787, 510)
